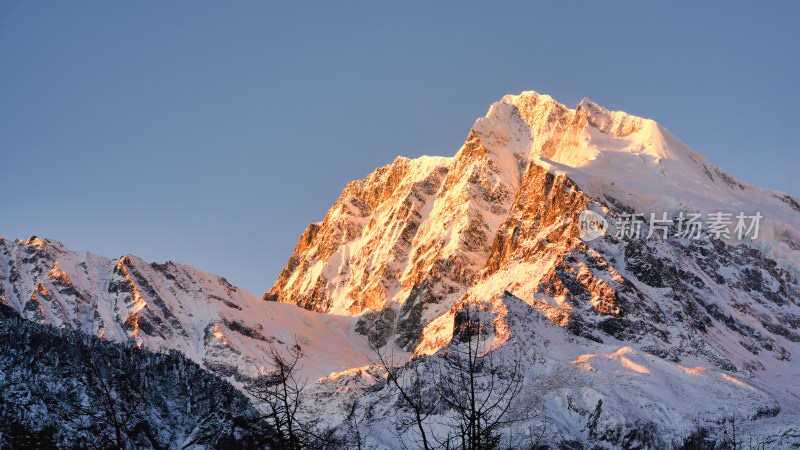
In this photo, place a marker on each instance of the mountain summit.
(691, 286)
(416, 235)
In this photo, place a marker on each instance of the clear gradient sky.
(212, 133)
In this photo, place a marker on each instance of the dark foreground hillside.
(66, 389)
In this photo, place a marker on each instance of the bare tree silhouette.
(467, 379)
(481, 389)
(279, 395)
(410, 387)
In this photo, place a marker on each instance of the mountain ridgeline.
(620, 339)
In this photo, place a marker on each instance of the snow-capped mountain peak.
(450, 211)
(497, 227)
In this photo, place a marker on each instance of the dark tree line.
(65, 389)
(728, 435)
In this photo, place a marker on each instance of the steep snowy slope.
(167, 306)
(624, 315)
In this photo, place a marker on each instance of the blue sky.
(211, 133)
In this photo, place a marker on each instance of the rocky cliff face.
(411, 230)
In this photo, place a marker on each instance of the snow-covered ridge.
(167, 307)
